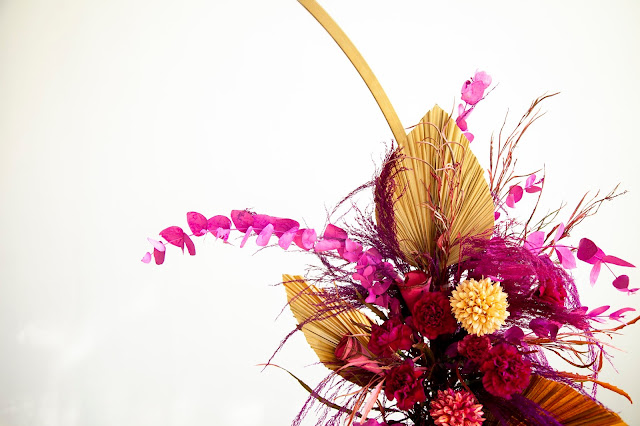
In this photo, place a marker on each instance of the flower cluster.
(430, 312)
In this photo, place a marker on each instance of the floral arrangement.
(428, 308)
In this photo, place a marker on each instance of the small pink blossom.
(473, 89)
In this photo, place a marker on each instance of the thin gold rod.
(361, 66)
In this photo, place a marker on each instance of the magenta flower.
(476, 348)
(389, 338)
(374, 275)
(456, 408)
(505, 372)
(473, 90)
(432, 315)
(404, 384)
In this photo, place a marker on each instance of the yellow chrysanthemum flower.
(480, 306)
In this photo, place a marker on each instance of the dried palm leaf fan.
(439, 196)
(324, 326)
(569, 406)
(439, 190)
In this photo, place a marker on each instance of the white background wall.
(118, 117)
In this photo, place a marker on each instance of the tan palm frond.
(324, 334)
(440, 191)
(568, 406)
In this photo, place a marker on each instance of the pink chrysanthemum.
(456, 408)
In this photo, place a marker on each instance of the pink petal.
(595, 271)
(333, 232)
(285, 225)
(510, 202)
(566, 257)
(352, 245)
(621, 282)
(597, 311)
(173, 235)
(157, 244)
(305, 238)
(189, 243)
(146, 258)
(544, 328)
(559, 232)
(616, 261)
(530, 180)
(496, 215)
(265, 235)
(586, 249)
(158, 256)
(286, 239)
(247, 234)
(514, 334)
(197, 223)
(472, 93)
(242, 219)
(534, 242)
(309, 238)
(469, 136)
(220, 226)
(618, 315)
(483, 77)
(218, 221)
(325, 245)
(462, 124)
(261, 221)
(223, 234)
(516, 191)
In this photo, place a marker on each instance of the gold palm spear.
(440, 196)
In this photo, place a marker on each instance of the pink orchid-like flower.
(473, 89)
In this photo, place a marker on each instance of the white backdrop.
(118, 117)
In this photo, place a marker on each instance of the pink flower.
(404, 384)
(392, 336)
(505, 372)
(473, 90)
(374, 275)
(474, 347)
(456, 408)
(432, 315)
